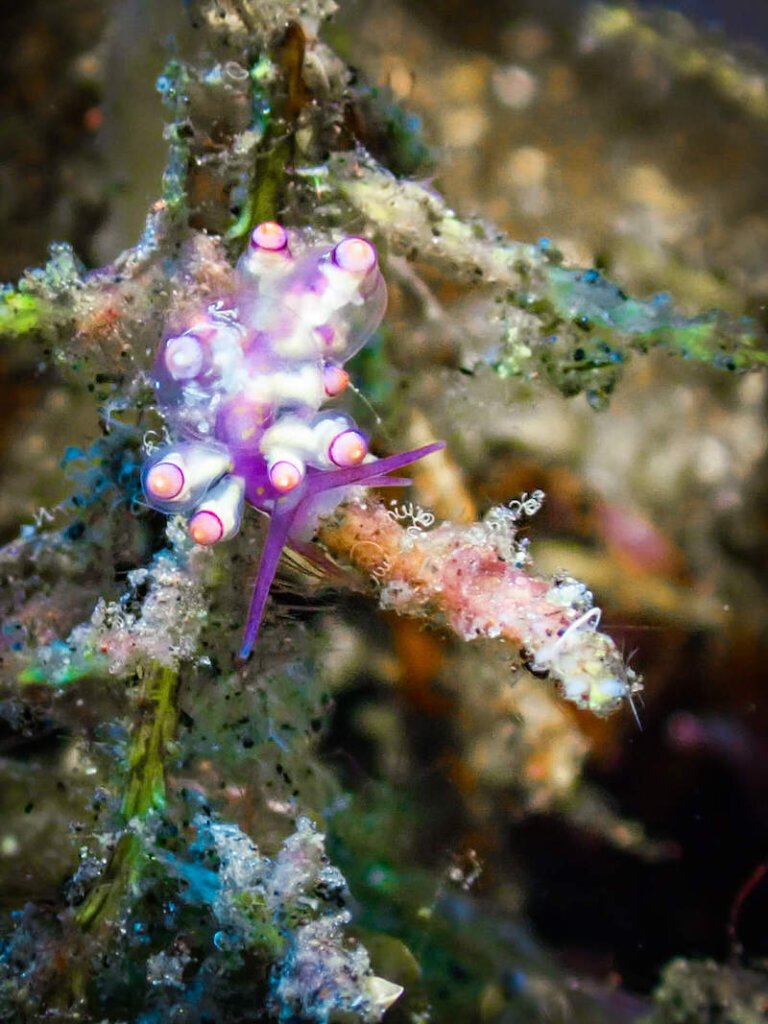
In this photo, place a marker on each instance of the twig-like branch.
(570, 325)
(475, 581)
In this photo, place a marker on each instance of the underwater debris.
(157, 621)
(290, 907)
(167, 968)
(321, 978)
(244, 23)
(98, 323)
(571, 326)
(676, 42)
(694, 990)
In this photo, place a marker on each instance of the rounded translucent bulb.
(206, 528)
(165, 481)
(269, 236)
(184, 357)
(348, 448)
(356, 255)
(350, 327)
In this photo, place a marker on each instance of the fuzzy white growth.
(570, 639)
(320, 975)
(459, 573)
(323, 979)
(166, 630)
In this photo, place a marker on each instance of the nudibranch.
(245, 386)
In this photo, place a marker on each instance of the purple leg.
(279, 527)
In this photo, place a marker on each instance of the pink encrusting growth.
(242, 387)
(480, 584)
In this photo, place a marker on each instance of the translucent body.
(242, 387)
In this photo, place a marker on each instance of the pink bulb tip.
(356, 255)
(184, 357)
(165, 481)
(285, 476)
(334, 380)
(348, 448)
(269, 236)
(206, 528)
